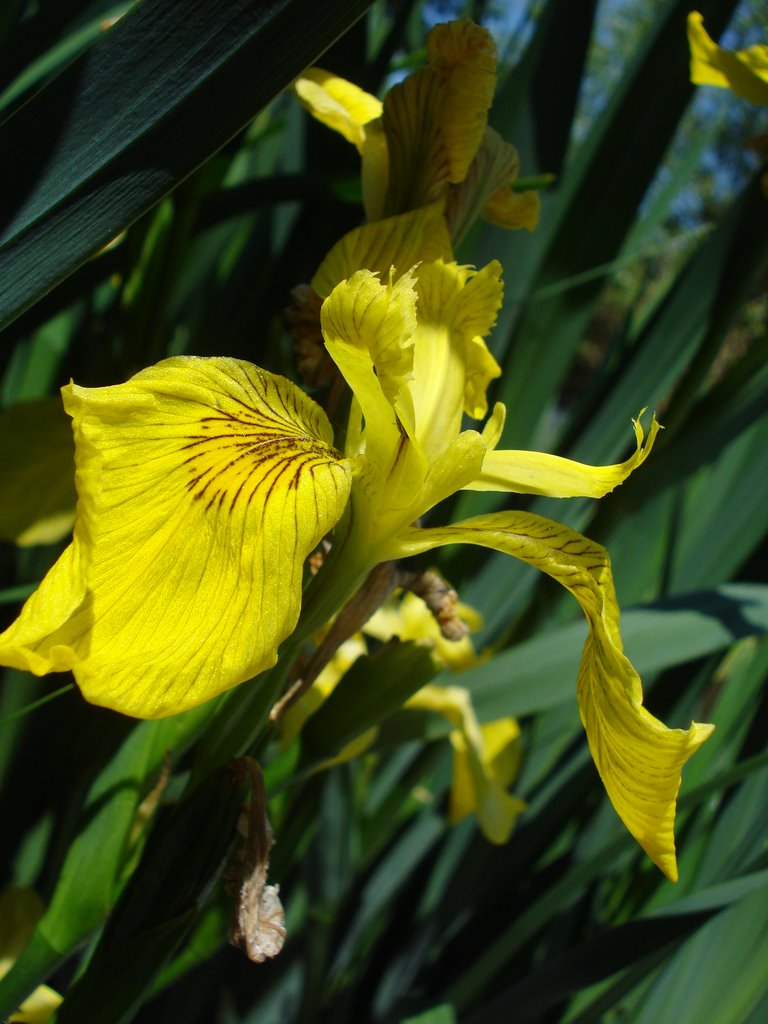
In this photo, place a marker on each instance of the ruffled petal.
(337, 103)
(453, 367)
(369, 329)
(524, 472)
(434, 120)
(639, 759)
(744, 72)
(203, 486)
(400, 242)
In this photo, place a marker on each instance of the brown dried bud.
(441, 599)
(302, 318)
(258, 927)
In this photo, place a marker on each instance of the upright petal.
(524, 472)
(639, 759)
(434, 120)
(337, 103)
(453, 367)
(745, 72)
(369, 329)
(203, 485)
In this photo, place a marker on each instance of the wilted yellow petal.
(203, 485)
(434, 120)
(37, 473)
(639, 759)
(524, 472)
(745, 72)
(400, 242)
(337, 103)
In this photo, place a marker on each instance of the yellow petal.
(368, 328)
(502, 749)
(434, 120)
(339, 104)
(475, 787)
(203, 486)
(524, 472)
(20, 910)
(486, 190)
(453, 367)
(375, 170)
(639, 759)
(38, 1008)
(744, 72)
(513, 210)
(37, 473)
(400, 242)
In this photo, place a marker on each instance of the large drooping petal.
(639, 759)
(434, 120)
(526, 472)
(337, 103)
(203, 485)
(745, 72)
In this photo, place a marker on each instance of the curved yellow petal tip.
(527, 472)
(337, 103)
(203, 485)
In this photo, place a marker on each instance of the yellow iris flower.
(204, 484)
(429, 141)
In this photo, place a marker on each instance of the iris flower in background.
(429, 141)
(744, 72)
(486, 757)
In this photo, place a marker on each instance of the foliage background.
(643, 286)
